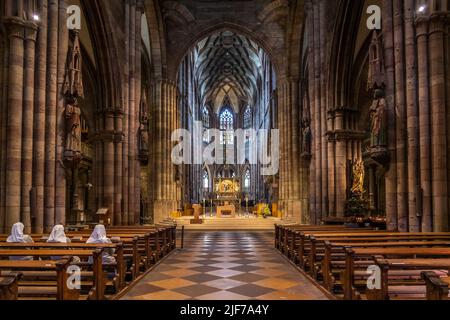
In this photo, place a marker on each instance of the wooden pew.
(118, 254)
(97, 291)
(364, 257)
(59, 291)
(437, 286)
(408, 282)
(9, 286)
(301, 242)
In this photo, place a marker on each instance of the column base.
(161, 209)
(292, 209)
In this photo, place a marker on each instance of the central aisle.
(225, 266)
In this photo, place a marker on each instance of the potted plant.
(266, 212)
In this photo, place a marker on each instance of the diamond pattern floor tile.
(225, 266)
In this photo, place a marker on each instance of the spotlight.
(422, 9)
(36, 17)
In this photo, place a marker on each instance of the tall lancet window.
(206, 124)
(247, 180)
(205, 180)
(248, 118)
(226, 120)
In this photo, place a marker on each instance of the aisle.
(225, 266)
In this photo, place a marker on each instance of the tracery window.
(226, 120)
(205, 179)
(248, 118)
(247, 179)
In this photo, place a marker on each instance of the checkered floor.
(225, 266)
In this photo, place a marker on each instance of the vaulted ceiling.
(228, 66)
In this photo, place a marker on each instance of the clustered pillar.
(289, 192)
(164, 190)
(416, 59)
(33, 61)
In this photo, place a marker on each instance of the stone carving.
(376, 63)
(73, 126)
(73, 90)
(144, 135)
(307, 137)
(379, 120)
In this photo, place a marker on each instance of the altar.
(227, 211)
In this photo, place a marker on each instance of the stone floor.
(225, 266)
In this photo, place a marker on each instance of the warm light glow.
(35, 17)
(422, 9)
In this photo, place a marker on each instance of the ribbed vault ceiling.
(228, 66)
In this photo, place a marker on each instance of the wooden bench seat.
(369, 254)
(437, 286)
(394, 287)
(57, 289)
(9, 286)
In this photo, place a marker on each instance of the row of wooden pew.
(52, 265)
(355, 264)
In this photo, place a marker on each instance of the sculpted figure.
(378, 112)
(73, 125)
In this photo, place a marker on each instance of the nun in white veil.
(58, 235)
(98, 236)
(17, 236)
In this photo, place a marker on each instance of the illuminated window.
(227, 127)
(247, 179)
(248, 118)
(205, 180)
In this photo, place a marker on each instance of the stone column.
(126, 120)
(412, 116)
(108, 138)
(400, 107)
(424, 123)
(437, 42)
(391, 174)
(138, 95)
(60, 174)
(163, 198)
(39, 121)
(50, 118)
(132, 115)
(288, 107)
(341, 164)
(27, 129)
(15, 32)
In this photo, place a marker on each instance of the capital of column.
(108, 136)
(14, 27)
(438, 21)
(31, 30)
(112, 112)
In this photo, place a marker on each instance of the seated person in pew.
(58, 235)
(17, 236)
(99, 236)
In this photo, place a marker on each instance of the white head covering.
(58, 235)
(98, 235)
(17, 235)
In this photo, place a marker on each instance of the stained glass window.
(227, 127)
(247, 179)
(248, 118)
(205, 180)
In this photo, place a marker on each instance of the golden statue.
(358, 177)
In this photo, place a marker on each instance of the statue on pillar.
(73, 126)
(73, 90)
(307, 137)
(379, 120)
(144, 145)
